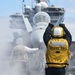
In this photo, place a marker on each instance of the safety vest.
(57, 54)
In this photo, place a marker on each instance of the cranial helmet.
(57, 31)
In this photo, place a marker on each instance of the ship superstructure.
(54, 12)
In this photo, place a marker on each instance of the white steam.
(31, 64)
(6, 38)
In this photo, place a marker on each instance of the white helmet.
(57, 31)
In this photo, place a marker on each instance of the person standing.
(57, 40)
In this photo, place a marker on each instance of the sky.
(8, 7)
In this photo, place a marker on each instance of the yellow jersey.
(57, 54)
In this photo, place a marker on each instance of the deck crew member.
(57, 40)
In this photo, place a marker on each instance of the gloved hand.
(62, 25)
(51, 25)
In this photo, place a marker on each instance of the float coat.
(57, 54)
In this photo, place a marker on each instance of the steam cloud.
(34, 63)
